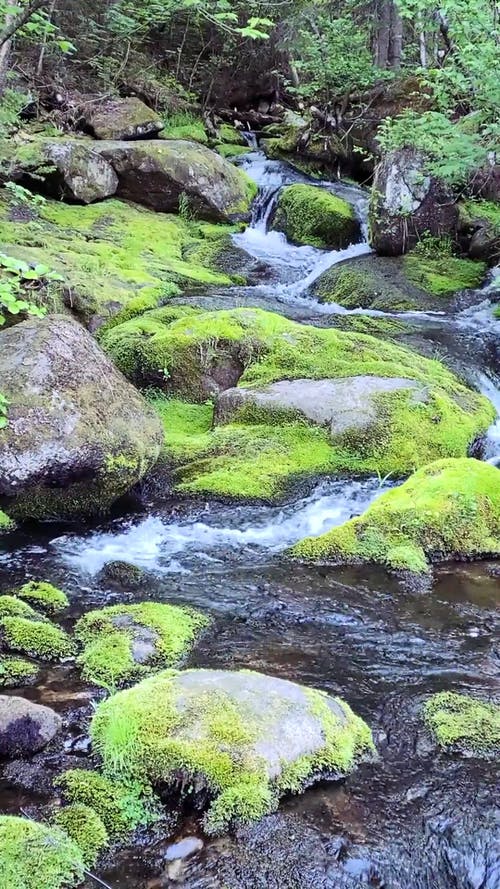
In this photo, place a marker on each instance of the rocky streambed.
(380, 782)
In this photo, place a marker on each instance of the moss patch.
(110, 255)
(183, 125)
(6, 524)
(448, 509)
(230, 150)
(15, 671)
(34, 856)
(164, 733)
(311, 215)
(84, 826)
(460, 722)
(118, 805)
(35, 638)
(110, 636)
(11, 606)
(443, 275)
(43, 594)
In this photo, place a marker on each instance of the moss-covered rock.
(231, 150)
(15, 671)
(35, 856)
(186, 126)
(126, 642)
(37, 639)
(45, 595)
(230, 134)
(113, 257)
(6, 523)
(447, 510)
(127, 118)
(479, 229)
(122, 574)
(308, 214)
(160, 174)
(243, 737)
(85, 827)
(11, 606)
(394, 284)
(462, 723)
(118, 806)
(202, 354)
(72, 445)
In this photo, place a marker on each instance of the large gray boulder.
(240, 736)
(349, 403)
(25, 727)
(127, 118)
(157, 173)
(406, 202)
(78, 435)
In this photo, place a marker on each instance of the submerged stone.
(25, 727)
(125, 642)
(79, 436)
(308, 214)
(447, 510)
(242, 739)
(459, 722)
(33, 856)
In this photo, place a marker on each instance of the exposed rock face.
(25, 727)
(79, 436)
(343, 404)
(84, 175)
(124, 119)
(157, 173)
(406, 203)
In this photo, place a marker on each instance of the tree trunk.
(383, 35)
(396, 36)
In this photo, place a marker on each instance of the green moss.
(118, 805)
(448, 509)
(184, 125)
(110, 255)
(458, 721)
(311, 215)
(10, 606)
(34, 856)
(361, 289)
(443, 275)
(6, 523)
(161, 733)
(489, 211)
(15, 671)
(230, 134)
(109, 633)
(34, 638)
(43, 594)
(231, 150)
(84, 826)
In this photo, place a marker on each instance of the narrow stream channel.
(415, 819)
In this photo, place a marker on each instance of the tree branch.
(16, 22)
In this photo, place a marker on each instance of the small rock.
(183, 848)
(25, 727)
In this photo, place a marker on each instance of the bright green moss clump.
(162, 633)
(34, 856)
(184, 125)
(443, 275)
(83, 825)
(15, 671)
(118, 805)
(222, 731)
(45, 595)
(11, 606)
(35, 638)
(448, 509)
(6, 524)
(458, 721)
(230, 150)
(311, 215)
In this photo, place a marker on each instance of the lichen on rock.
(447, 510)
(126, 642)
(243, 738)
(459, 722)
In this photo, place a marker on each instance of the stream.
(415, 818)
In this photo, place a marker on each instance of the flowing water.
(415, 819)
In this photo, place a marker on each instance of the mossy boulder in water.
(242, 739)
(406, 203)
(161, 174)
(79, 436)
(259, 453)
(462, 723)
(125, 119)
(447, 510)
(25, 727)
(125, 642)
(35, 638)
(45, 595)
(394, 284)
(311, 215)
(36, 856)
(15, 671)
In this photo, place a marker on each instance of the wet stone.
(25, 727)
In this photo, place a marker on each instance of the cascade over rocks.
(79, 436)
(25, 727)
(125, 119)
(406, 202)
(157, 173)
